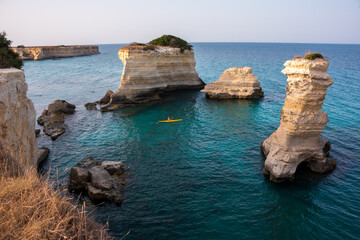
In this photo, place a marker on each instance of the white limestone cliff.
(17, 119)
(298, 139)
(236, 82)
(150, 71)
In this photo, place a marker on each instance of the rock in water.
(17, 120)
(43, 153)
(90, 106)
(298, 138)
(236, 82)
(53, 118)
(101, 181)
(150, 71)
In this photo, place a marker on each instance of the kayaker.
(169, 118)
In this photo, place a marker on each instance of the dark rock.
(54, 133)
(91, 106)
(79, 175)
(101, 181)
(106, 98)
(100, 178)
(43, 153)
(113, 167)
(53, 118)
(37, 132)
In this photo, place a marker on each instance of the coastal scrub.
(30, 208)
(171, 41)
(313, 56)
(8, 58)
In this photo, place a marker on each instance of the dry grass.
(31, 208)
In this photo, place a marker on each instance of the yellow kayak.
(167, 121)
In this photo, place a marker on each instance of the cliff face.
(17, 119)
(236, 82)
(298, 138)
(38, 53)
(149, 72)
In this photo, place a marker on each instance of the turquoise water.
(202, 178)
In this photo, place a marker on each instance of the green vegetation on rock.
(8, 58)
(313, 56)
(171, 41)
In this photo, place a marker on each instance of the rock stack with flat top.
(150, 70)
(236, 82)
(298, 139)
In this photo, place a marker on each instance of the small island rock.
(53, 118)
(236, 82)
(101, 181)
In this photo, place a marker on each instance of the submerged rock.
(101, 181)
(236, 82)
(151, 71)
(53, 118)
(37, 132)
(298, 139)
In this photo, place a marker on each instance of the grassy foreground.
(31, 208)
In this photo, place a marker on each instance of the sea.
(202, 178)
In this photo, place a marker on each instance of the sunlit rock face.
(236, 82)
(298, 139)
(17, 120)
(147, 73)
(46, 52)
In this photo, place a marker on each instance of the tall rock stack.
(236, 82)
(298, 138)
(150, 71)
(17, 120)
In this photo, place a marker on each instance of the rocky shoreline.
(49, 52)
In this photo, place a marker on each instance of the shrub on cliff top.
(8, 58)
(313, 56)
(171, 41)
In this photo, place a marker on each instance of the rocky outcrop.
(101, 181)
(298, 138)
(106, 99)
(17, 119)
(90, 106)
(46, 52)
(43, 154)
(150, 71)
(236, 82)
(53, 118)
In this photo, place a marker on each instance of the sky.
(52, 22)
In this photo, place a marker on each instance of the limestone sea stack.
(17, 120)
(298, 139)
(236, 82)
(46, 52)
(150, 70)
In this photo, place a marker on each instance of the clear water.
(202, 178)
